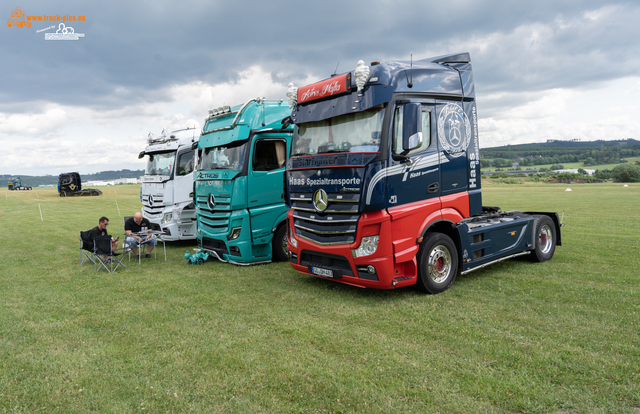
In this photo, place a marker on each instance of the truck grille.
(338, 264)
(216, 220)
(217, 246)
(152, 210)
(336, 225)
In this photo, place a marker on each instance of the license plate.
(322, 272)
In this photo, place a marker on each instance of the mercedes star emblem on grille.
(211, 202)
(150, 200)
(320, 200)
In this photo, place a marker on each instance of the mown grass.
(569, 166)
(556, 337)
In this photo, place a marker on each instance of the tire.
(544, 239)
(279, 243)
(437, 263)
(200, 261)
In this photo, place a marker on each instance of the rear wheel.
(437, 263)
(545, 239)
(279, 243)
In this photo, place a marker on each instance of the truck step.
(495, 261)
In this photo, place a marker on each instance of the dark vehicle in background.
(70, 185)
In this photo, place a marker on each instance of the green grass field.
(571, 166)
(556, 337)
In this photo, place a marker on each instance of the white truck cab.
(167, 184)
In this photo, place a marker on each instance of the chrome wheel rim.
(439, 264)
(545, 239)
(284, 244)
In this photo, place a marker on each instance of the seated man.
(133, 228)
(101, 230)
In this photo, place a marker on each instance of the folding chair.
(86, 247)
(125, 245)
(103, 248)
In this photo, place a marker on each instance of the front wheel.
(279, 243)
(545, 239)
(437, 263)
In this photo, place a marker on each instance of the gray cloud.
(144, 47)
(134, 53)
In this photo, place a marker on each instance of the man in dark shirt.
(101, 230)
(133, 229)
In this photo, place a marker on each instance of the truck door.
(416, 175)
(183, 178)
(268, 154)
(454, 135)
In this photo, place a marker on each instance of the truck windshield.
(160, 163)
(357, 132)
(225, 157)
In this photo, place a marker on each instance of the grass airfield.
(557, 337)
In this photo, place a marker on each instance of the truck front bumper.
(232, 247)
(380, 270)
(174, 231)
(178, 227)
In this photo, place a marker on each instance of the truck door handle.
(433, 188)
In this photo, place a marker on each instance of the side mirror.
(411, 126)
(141, 155)
(286, 122)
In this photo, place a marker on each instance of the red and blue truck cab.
(383, 181)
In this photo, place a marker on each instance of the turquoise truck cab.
(238, 187)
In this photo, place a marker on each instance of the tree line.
(34, 181)
(505, 156)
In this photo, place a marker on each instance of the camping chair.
(86, 247)
(103, 248)
(125, 245)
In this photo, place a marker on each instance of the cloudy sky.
(543, 70)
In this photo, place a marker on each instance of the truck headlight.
(177, 212)
(235, 233)
(292, 236)
(368, 245)
(166, 218)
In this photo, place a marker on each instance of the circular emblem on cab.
(211, 202)
(150, 200)
(454, 130)
(320, 200)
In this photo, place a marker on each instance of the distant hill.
(112, 175)
(556, 143)
(34, 181)
(591, 153)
